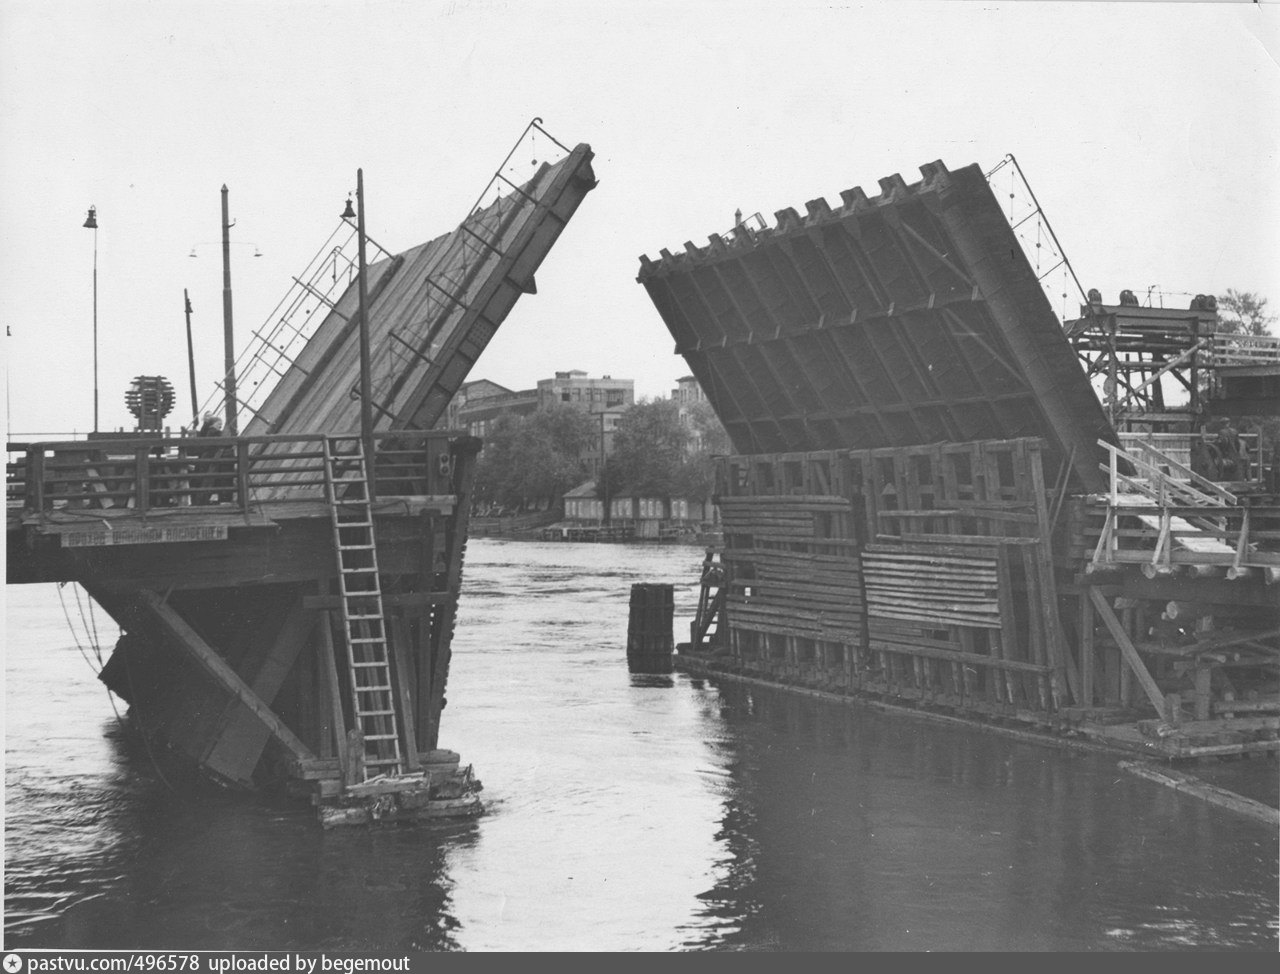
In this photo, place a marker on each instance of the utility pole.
(228, 335)
(191, 362)
(366, 393)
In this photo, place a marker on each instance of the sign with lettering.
(144, 535)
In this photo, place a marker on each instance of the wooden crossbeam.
(1127, 649)
(204, 655)
(234, 751)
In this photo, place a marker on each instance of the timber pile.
(649, 628)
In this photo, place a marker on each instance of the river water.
(624, 813)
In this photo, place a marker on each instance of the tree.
(1244, 313)
(711, 435)
(528, 458)
(655, 454)
(648, 448)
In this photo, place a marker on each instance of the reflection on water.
(625, 812)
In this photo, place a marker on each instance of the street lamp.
(91, 223)
(366, 392)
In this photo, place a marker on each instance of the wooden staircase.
(1186, 511)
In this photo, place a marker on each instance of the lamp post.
(366, 393)
(228, 337)
(91, 223)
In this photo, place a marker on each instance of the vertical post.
(191, 362)
(91, 223)
(228, 335)
(242, 475)
(35, 479)
(1086, 651)
(95, 327)
(1113, 381)
(142, 479)
(366, 394)
(604, 473)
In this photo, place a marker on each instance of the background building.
(606, 397)
(477, 404)
(686, 393)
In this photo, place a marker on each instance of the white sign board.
(144, 535)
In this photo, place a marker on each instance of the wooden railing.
(1244, 350)
(1163, 517)
(1159, 477)
(139, 474)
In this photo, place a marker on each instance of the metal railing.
(138, 475)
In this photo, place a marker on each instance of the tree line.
(534, 459)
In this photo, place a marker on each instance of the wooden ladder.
(364, 625)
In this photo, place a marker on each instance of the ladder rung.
(375, 713)
(375, 663)
(378, 688)
(380, 737)
(367, 640)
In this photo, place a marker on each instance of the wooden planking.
(913, 583)
(951, 604)
(788, 580)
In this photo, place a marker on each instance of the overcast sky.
(1147, 130)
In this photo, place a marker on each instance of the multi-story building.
(477, 404)
(575, 387)
(686, 393)
(606, 397)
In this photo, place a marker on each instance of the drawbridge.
(947, 496)
(288, 595)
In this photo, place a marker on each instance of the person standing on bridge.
(214, 489)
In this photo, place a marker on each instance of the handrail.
(140, 474)
(152, 442)
(1212, 494)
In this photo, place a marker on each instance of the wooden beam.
(333, 603)
(204, 655)
(329, 675)
(235, 748)
(398, 633)
(1127, 650)
(1086, 652)
(440, 640)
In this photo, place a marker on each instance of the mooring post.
(649, 629)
